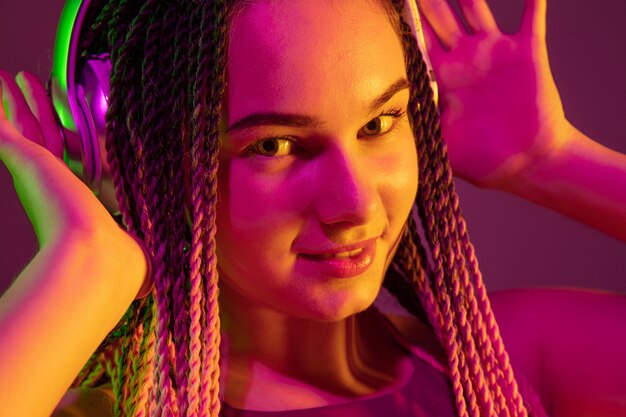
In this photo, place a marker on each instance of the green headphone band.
(79, 89)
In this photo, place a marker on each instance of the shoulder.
(522, 316)
(543, 314)
(86, 402)
(522, 320)
(576, 339)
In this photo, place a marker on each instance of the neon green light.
(61, 49)
(5, 104)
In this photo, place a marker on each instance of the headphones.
(80, 86)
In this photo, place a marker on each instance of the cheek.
(258, 217)
(399, 181)
(251, 201)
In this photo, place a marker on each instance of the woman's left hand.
(500, 109)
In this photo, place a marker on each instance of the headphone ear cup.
(79, 88)
(87, 154)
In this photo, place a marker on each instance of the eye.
(382, 124)
(272, 146)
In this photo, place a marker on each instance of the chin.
(335, 304)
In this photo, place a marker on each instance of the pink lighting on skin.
(341, 262)
(331, 185)
(328, 164)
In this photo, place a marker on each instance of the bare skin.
(68, 218)
(503, 120)
(329, 184)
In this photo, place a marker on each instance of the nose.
(346, 188)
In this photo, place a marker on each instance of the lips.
(340, 262)
(331, 249)
(346, 254)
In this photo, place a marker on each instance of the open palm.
(500, 109)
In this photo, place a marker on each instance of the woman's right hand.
(84, 276)
(55, 200)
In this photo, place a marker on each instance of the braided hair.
(167, 84)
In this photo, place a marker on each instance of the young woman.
(294, 148)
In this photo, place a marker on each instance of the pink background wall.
(518, 244)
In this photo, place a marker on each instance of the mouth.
(337, 250)
(342, 262)
(338, 255)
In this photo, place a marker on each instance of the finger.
(534, 19)
(15, 150)
(39, 104)
(442, 20)
(478, 15)
(17, 110)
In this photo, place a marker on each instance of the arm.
(79, 284)
(583, 180)
(55, 315)
(503, 120)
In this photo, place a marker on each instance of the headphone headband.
(64, 61)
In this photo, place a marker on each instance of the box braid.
(208, 91)
(163, 357)
(454, 296)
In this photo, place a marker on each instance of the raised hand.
(57, 203)
(84, 276)
(501, 111)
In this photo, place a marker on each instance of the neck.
(343, 356)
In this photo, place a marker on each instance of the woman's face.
(318, 167)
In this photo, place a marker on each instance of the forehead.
(310, 54)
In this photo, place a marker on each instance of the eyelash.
(395, 113)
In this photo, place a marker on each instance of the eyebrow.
(300, 120)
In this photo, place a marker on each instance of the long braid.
(495, 353)
(460, 290)
(143, 363)
(156, 374)
(132, 148)
(115, 158)
(135, 368)
(119, 153)
(177, 62)
(205, 336)
(210, 390)
(129, 83)
(154, 116)
(447, 233)
(198, 201)
(479, 332)
(157, 126)
(431, 192)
